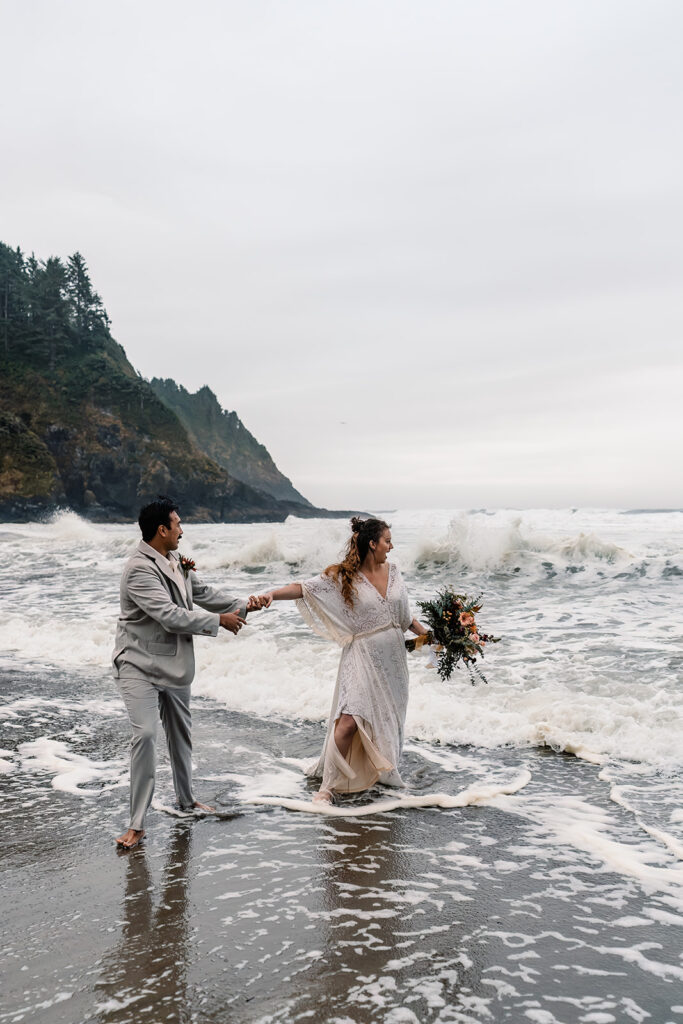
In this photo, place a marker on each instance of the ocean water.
(573, 751)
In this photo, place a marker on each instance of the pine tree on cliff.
(79, 292)
(50, 316)
(13, 314)
(48, 308)
(87, 313)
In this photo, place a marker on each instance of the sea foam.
(581, 600)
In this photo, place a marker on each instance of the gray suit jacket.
(158, 619)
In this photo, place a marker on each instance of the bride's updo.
(362, 532)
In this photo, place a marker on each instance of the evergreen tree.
(79, 294)
(12, 295)
(87, 313)
(50, 309)
(98, 320)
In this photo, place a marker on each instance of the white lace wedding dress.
(372, 682)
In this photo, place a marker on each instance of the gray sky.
(430, 252)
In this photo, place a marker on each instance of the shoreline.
(505, 909)
(560, 902)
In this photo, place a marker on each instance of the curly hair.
(363, 531)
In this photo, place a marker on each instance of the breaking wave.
(479, 543)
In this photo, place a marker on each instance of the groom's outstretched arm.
(216, 600)
(146, 590)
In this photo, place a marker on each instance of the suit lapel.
(179, 578)
(163, 564)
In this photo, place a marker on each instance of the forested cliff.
(80, 428)
(223, 436)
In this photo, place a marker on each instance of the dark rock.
(80, 428)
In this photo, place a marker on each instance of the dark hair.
(154, 515)
(363, 531)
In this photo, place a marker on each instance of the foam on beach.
(70, 772)
(586, 605)
(478, 794)
(565, 592)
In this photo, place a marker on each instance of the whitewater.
(589, 605)
(577, 736)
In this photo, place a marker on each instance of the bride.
(361, 604)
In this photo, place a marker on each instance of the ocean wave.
(481, 543)
(68, 526)
(587, 664)
(547, 689)
(560, 703)
(75, 642)
(305, 545)
(66, 536)
(485, 544)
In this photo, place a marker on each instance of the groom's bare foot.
(203, 807)
(130, 838)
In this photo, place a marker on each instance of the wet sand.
(261, 914)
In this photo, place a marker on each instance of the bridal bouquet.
(454, 632)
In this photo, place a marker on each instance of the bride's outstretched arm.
(417, 627)
(292, 592)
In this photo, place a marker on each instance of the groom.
(153, 657)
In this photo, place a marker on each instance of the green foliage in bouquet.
(453, 629)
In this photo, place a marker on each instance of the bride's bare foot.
(130, 838)
(323, 796)
(203, 807)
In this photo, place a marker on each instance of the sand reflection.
(147, 969)
(387, 908)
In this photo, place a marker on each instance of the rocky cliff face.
(80, 428)
(94, 436)
(223, 436)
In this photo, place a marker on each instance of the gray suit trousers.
(145, 704)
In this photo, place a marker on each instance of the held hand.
(232, 622)
(255, 603)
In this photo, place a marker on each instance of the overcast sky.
(430, 252)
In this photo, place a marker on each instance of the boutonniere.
(187, 565)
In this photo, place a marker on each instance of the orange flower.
(466, 619)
